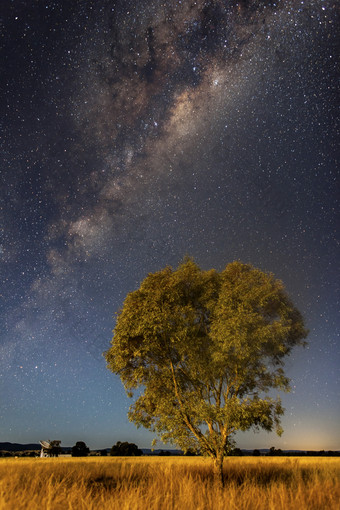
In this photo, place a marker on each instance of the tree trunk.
(218, 470)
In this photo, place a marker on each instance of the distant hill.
(17, 447)
(148, 451)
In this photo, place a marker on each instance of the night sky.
(134, 133)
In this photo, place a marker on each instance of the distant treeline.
(125, 449)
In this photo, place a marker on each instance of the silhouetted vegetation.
(191, 453)
(80, 449)
(125, 450)
(236, 452)
(275, 453)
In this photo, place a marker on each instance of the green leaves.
(202, 346)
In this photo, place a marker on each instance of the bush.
(80, 450)
(125, 450)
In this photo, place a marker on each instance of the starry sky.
(133, 134)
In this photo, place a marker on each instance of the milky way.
(134, 133)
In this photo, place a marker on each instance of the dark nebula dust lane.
(132, 134)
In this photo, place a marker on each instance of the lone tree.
(203, 349)
(80, 449)
(125, 450)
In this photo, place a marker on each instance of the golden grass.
(160, 483)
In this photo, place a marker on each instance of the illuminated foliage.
(203, 349)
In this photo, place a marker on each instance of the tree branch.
(197, 433)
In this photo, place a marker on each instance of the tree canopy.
(125, 449)
(80, 449)
(203, 349)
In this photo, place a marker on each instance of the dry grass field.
(183, 483)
